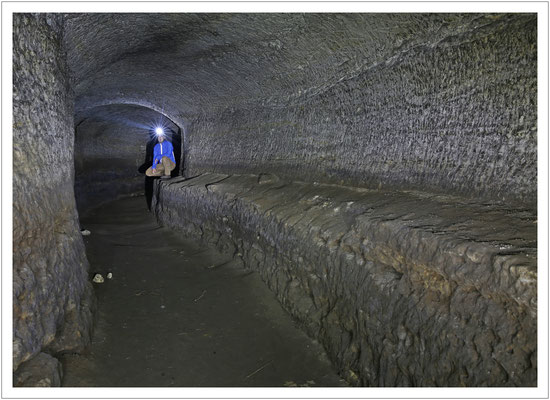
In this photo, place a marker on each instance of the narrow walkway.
(177, 314)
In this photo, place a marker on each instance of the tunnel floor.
(177, 313)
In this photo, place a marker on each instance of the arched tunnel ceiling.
(180, 63)
(133, 116)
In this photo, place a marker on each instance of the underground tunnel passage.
(353, 201)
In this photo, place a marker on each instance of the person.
(163, 158)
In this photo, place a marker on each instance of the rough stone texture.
(435, 102)
(440, 102)
(52, 298)
(41, 370)
(402, 288)
(113, 148)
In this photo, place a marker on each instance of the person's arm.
(155, 155)
(171, 152)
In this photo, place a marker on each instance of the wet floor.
(177, 313)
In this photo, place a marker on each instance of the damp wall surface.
(52, 296)
(453, 111)
(401, 288)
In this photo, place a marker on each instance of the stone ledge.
(401, 288)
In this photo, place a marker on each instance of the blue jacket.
(164, 149)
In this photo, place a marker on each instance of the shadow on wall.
(175, 138)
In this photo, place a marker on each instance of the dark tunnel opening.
(113, 149)
(353, 202)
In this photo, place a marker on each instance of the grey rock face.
(453, 114)
(42, 370)
(439, 102)
(52, 297)
(401, 288)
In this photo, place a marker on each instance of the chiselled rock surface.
(52, 298)
(401, 288)
(42, 370)
(442, 102)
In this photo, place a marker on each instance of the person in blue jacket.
(163, 158)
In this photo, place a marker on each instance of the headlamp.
(159, 131)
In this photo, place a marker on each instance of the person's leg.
(168, 164)
(159, 169)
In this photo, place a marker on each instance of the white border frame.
(541, 8)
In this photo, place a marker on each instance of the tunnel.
(353, 200)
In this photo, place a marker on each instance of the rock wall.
(402, 288)
(449, 106)
(42, 370)
(52, 296)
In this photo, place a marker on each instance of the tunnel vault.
(443, 102)
(440, 105)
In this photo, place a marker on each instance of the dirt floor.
(179, 314)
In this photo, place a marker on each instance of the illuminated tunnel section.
(113, 148)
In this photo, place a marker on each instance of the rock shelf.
(401, 288)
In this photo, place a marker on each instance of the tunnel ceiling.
(180, 63)
(133, 116)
